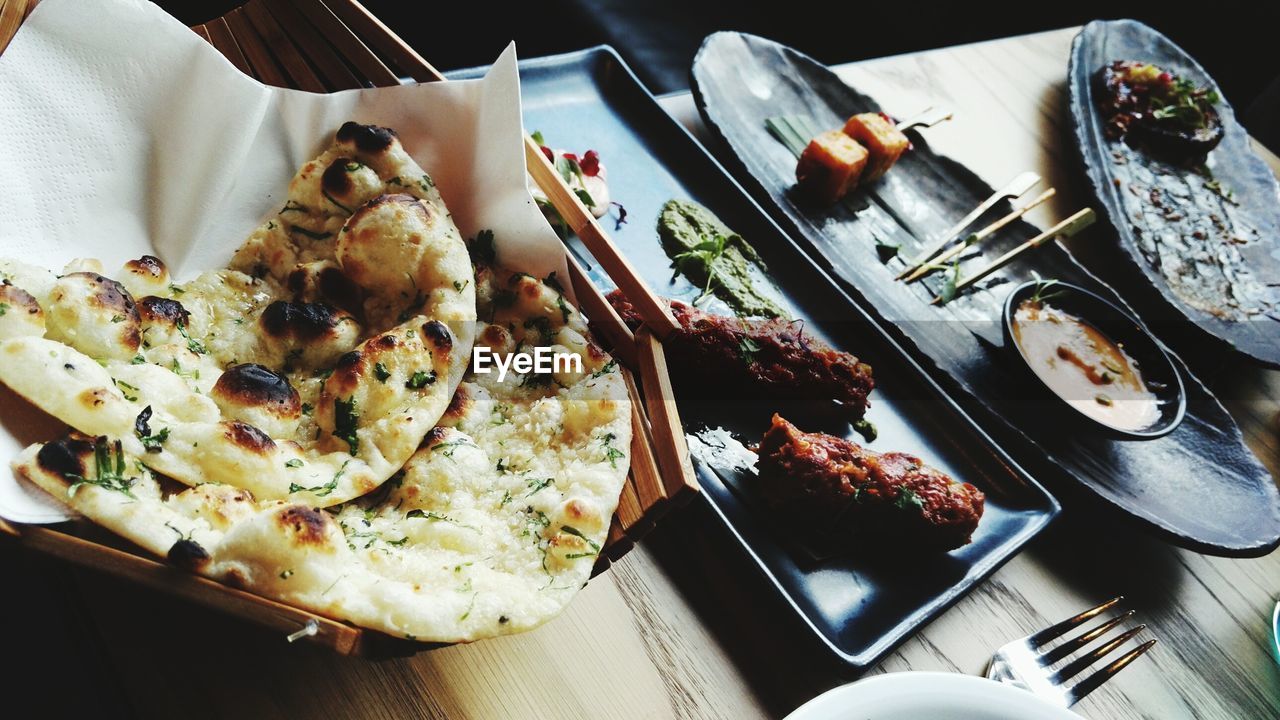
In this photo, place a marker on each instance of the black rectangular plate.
(1200, 486)
(861, 609)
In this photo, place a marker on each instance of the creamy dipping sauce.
(1084, 367)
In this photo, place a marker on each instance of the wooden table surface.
(683, 626)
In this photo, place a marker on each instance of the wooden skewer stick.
(979, 236)
(1065, 229)
(670, 448)
(925, 118)
(650, 307)
(1016, 188)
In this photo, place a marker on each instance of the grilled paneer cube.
(882, 139)
(831, 165)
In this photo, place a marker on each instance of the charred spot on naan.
(304, 322)
(162, 311)
(308, 335)
(348, 183)
(150, 267)
(235, 578)
(434, 436)
(104, 292)
(438, 336)
(325, 282)
(66, 456)
(20, 313)
(255, 394)
(497, 338)
(366, 138)
(145, 276)
(336, 179)
(458, 406)
(580, 514)
(347, 374)
(92, 398)
(189, 555)
(340, 289)
(94, 314)
(248, 437)
(306, 526)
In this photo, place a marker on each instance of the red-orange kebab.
(770, 357)
(829, 482)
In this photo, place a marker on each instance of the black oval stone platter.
(1150, 202)
(1199, 487)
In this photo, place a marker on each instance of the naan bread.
(310, 369)
(493, 525)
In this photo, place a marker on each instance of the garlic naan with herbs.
(310, 369)
(491, 528)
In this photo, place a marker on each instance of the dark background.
(1235, 41)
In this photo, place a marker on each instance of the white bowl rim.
(1019, 703)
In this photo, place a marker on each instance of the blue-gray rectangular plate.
(860, 608)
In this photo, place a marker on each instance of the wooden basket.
(330, 45)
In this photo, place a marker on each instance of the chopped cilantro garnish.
(155, 443)
(193, 345)
(345, 419)
(595, 547)
(564, 307)
(141, 428)
(535, 485)
(420, 379)
(612, 454)
(321, 490)
(449, 446)
(129, 392)
(108, 461)
(608, 368)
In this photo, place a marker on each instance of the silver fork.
(1029, 663)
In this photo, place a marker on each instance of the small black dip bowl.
(1158, 371)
